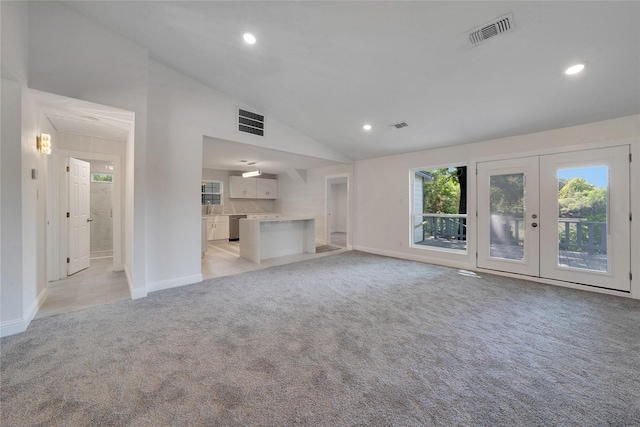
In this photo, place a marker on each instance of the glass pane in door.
(583, 196)
(507, 209)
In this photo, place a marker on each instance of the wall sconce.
(44, 143)
(252, 173)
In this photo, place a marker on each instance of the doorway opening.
(85, 252)
(337, 210)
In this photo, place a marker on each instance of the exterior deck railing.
(442, 226)
(573, 234)
(587, 236)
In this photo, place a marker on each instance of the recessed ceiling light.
(249, 38)
(243, 161)
(574, 69)
(366, 127)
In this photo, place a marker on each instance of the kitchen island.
(262, 239)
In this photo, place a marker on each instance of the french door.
(560, 216)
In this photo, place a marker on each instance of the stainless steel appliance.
(234, 227)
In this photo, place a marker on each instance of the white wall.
(383, 185)
(181, 111)
(11, 306)
(14, 40)
(309, 199)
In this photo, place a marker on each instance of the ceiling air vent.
(249, 122)
(399, 125)
(491, 29)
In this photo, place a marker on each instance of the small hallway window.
(439, 219)
(101, 177)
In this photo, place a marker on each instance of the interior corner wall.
(309, 199)
(11, 294)
(72, 56)
(383, 191)
(34, 190)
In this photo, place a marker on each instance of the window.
(212, 193)
(439, 219)
(102, 177)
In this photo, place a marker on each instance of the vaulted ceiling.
(328, 68)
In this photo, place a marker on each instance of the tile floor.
(223, 259)
(99, 284)
(338, 239)
(94, 286)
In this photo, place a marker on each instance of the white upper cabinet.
(252, 188)
(267, 188)
(242, 188)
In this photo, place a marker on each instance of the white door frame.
(619, 248)
(79, 214)
(530, 263)
(618, 231)
(59, 200)
(331, 179)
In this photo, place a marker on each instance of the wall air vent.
(249, 122)
(399, 125)
(502, 25)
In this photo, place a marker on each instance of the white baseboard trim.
(12, 327)
(35, 306)
(16, 326)
(138, 293)
(412, 257)
(135, 293)
(174, 283)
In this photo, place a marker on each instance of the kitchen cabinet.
(252, 188)
(263, 216)
(218, 227)
(242, 188)
(267, 188)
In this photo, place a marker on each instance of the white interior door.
(79, 215)
(561, 216)
(508, 211)
(586, 232)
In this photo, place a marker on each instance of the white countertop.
(279, 219)
(234, 214)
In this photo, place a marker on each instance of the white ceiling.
(78, 117)
(326, 68)
(226, 155)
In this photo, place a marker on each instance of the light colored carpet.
(347, 339)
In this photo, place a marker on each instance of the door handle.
(534, 224)
(89, 219)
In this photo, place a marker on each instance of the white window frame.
(415, 217)
(221, 193)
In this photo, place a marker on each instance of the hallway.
(94, 286)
